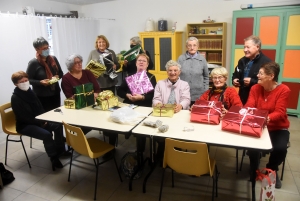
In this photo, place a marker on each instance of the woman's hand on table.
(137, 97)
(191, 107)
(224, 111)
(177, 108)
(95, 96)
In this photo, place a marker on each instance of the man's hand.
(247, 81)
(236, 82)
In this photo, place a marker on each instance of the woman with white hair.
(194, 69)
(130, 66)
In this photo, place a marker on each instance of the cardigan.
(182, 92)
(274, 101)
(69, 82)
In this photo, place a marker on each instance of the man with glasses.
(245, 74)
(194, 69)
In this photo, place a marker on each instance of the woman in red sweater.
(269, 95)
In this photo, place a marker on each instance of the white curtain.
(16, 36)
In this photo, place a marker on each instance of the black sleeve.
(149, 96)
(150, 66)
(60, 72)
(123, 89)
(31, 70)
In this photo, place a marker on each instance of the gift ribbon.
(85, 93)
(162, 107)
(211, 105)
(260, 176)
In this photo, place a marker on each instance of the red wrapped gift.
(139, 83)
(248, 121)
(206, 112)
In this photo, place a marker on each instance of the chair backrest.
(77, 140)
(8, 119)
(189, 158)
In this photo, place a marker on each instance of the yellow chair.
(90, 147)
(193, 161)
(9, 127)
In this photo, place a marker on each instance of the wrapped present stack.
(163, 110)
(139, 83)
(106, 100)
(84, 95)
(248, 121)
(206, 112)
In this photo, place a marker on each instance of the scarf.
(47, 69)
(218, 91)
(30, 98)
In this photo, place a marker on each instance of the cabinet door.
(165, 52)
(149, 45)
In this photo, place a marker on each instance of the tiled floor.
(40, 183)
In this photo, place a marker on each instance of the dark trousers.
(279, 139)
(50, 102)
(52, 146)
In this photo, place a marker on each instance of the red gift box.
(139, 83)
(206, 112)
(248, 121)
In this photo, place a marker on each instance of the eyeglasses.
(144, 61)
(46, 48)
(78, 62)
(261, 73)
(218, 78)
(190, 46)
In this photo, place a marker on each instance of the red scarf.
(47, 69)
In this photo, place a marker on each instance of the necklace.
(266, 95)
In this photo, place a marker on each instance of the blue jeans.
(52, 147)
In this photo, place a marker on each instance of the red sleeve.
(204, 96)
(280, 104)
(234, 98)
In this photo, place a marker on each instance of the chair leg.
(236, 161)
(213, 187)
(217, 178)
(118, 169)
(243, 155)
(31, 142)
(116, 145)
(172, 178)
(72, 150)
(6, 149)
(25, 151)
(96, 161)
(161, 183)
(283, 164)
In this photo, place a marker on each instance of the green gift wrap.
(132, 53)
(84, 95)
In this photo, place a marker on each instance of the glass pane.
(291, 67)
(149, 46)
(165, 49)
(269, 24)
(293, 30)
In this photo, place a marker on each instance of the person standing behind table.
(40, 70)
(26, 106)
(272, 96)
(245, 74)
(102, 45)
(130, 66)
(194, 69)
(172, 90)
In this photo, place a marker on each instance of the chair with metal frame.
(90, 147)
(9, 127)
(194, 160)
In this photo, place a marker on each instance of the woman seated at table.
(270, 95)
(26, 107)
(220, 91)
(142, 62)
(172, 90)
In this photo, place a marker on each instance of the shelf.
(195, 35)
(210, 50)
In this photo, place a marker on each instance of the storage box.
(84, 95)
(106, 100)
(206, 112)
(248, 121)
(139, 83)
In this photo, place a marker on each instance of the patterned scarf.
(47, 69)
(218, 91)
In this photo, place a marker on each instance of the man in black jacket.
(245, 74)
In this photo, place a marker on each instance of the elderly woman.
(26, 107)
(40, 70)
(108, 58)
(130, 66)
(270, 95)
(172, 90)
(194, 69)
(220, 91)
(142, 62)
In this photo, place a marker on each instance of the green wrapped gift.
(84, 95)
(132, 53)
(106, 99)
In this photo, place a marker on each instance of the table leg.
(254, 157)
(153, 162)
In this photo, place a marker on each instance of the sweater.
(36, 72)
(275, 102)
(195, 72)
(69, 82)
(182, 93)
(230, 97)
(123, 89)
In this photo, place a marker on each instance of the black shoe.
(278, 182)
(56, 163)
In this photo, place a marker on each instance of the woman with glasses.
(194, 69)
(220, 91)
(41, 70)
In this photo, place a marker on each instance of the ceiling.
(81, 2)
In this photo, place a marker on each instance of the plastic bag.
(268, 181)
(126, 115)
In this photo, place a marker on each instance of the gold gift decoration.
(106, 100)
(163, 110)
(96, 68)
(69, 103)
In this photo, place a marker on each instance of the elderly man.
(194, 69)
(245, 74)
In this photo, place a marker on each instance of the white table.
(207, 133)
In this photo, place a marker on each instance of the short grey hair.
(70, 60)
(136, 40)
(191, 39)
(172, 63)
(39, 42)
(255, 39)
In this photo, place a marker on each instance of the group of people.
(256, 76)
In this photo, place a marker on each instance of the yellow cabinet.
(162, 46)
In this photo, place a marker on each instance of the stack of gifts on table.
(206, 112)
(106, 100)
(83, 97)
(139, 83)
